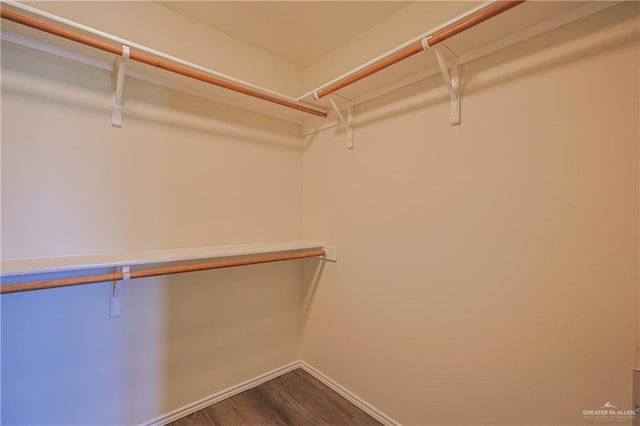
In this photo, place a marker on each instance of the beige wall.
(181, 172)
(487, 273)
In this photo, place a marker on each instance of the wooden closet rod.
(420, 45)
(150, 60)
(116, 276)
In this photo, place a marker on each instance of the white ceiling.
(300, 32)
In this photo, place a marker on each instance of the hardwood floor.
(296, 399)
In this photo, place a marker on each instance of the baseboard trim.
(219, 396)
(256, 381)
(350, 396)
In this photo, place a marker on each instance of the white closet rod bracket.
(331, 253)
(347, 122)
(450, 69)
(116, 292)
(119, 68)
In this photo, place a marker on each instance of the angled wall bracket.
(119, 68)
(450, 69)
(347, 122)
(116, 292)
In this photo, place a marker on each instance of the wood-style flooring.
(295, 398)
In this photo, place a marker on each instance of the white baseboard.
(350, 396)
(219, 396)
(256, 381)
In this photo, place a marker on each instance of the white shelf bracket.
(448, 62)
(116, 292)
(347, 123)
(119, 68)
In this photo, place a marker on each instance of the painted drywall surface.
(150, 24)
(487, 273)
(181, 172)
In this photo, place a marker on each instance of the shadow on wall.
(179, 338)
(60, 83)
(567, 45)
(188, 112)
(65, 362)
(227, 326)
(312, 273)
(513, 63)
